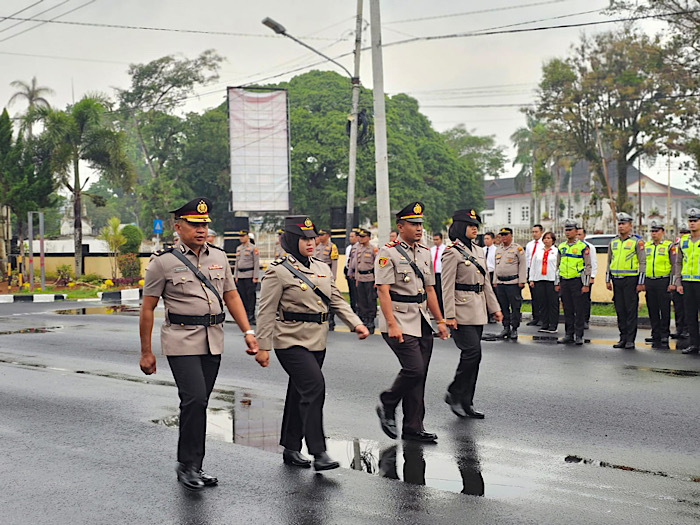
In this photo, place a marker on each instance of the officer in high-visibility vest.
(678, 306)
(687, 278)
(574, 269)
(625, 275)
(659, 285)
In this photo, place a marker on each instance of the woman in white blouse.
(543, 275)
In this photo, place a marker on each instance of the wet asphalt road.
(81, 447)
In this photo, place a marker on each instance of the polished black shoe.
(189, 477)
(455, 405)
(295, 458)
(629, 346)
(323, 462)
(513, 334)
(566, 340)
(532, 323)
(473, 413)
(544, 330)
(586, 326)
(619, 344)
(504, 334)
(674, 336)
(578, 341)
(690, 350)
(684, 335)
(387, 422)
(209, 481)
(648, 339)
(422, 436)
(660, 345)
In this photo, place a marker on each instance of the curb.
(32, 298)
(601, 320)
(132, 294)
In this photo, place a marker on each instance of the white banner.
(259, 142)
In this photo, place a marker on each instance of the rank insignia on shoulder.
(383, 261)
(391, 244)
(164, 250)
(640, 244)
(279, 260)
(520, 249)
(255, 251)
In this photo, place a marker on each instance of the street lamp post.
(355, 79)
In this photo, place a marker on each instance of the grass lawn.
(71, 293)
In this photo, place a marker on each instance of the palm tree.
(33, 94)
(82, 133)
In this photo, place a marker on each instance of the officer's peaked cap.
(624, 217)
(300, 225)
(412, 212)
(197, 210)
(469, 216)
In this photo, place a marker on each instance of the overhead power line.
(54, 20)
(10, 17)
(23, 10)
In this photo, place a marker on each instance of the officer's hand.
(442, 331)
(148, 363)
(395, 332)
(521, 285)
(255, 279)
(451, 323)
(640, 288)
(585, 289)
(557, 288)
(498, 316)
(608, 285)
(679, 289)
(592, 280)
(671, 288)
(252, 344)
(532, 284)
(263, 358)
(362, 331)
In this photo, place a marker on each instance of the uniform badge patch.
(383, 262)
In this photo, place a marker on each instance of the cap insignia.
(472, 214)
(417, 209)
(202, 207)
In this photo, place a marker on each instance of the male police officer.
(405, 283)
(574, 266)
(678, 307)
(687, 278)
(364, 255)
(658, 286)
(509, 279)
(246, 273)
(594, 269)
(279, 252)
(194, 279)
(327, 252)
(625, 275)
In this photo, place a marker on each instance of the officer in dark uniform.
(658, 286)
(246, 273)
(194, 279)
(678, 308)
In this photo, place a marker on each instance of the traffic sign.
(157, 225)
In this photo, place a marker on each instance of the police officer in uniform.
(509, 279)
(405, 280)
(364, 280)
(192, 334)
(246, 273)
(678, 308)
(350, 267)
(296, 294)
(625, 275)
(327, 252)
(658, 284)
(279, 252)
(687, 278)
(574, 268)
(468, 299)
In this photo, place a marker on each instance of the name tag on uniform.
(216, 267)
(179, 269)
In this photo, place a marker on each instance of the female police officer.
(296, 295)
(468, 299)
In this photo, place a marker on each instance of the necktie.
(533, 250)
(487, 254)
(544, 261)
(437, 249)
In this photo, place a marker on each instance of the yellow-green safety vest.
(571, 262)
(691, 259)
(658, 258)
(623, 257)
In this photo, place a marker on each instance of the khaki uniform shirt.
(466, 307)
(282, 291)
(328, 253)
(392, 268)
(364, 261)
(279, 252)
(510, 261)
(247, 262)
(184, 294)
(351, 260)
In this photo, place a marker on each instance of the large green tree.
(35, 97)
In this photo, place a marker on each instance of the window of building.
(525, 214)
(509, 219)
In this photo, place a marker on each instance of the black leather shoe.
(648, 339)
(189, 477)
(422, 436)
(586, 326)
(566, 340)
(323, 462)
(514, 334)
(660, 345)
(504, 334)
(295, 458)
(532, 323)
(691, 350)
(209, 481)
(455, 405)
(579, 341)
(629, 346)
(619, 344)
(473, 413)
(674, 336)
(664, 340)
(387, 422)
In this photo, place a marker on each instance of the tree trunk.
(622, 180)
(77, 221)
(22, 255)
(151, 170)
(4, 220)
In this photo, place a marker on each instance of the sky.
(492, 74)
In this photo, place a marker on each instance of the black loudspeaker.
(338, 224)
(233, 226)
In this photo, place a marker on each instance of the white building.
(581, 198)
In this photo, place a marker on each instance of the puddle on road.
(123, 309)
(40, 330)
(666, 371)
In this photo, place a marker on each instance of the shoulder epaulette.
(158, 253)
(212, 246)
(279, 260)
(422, 246)
(391, 244)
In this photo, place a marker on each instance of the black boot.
(323, 462)
(189, 477)
(455, 405)
(504, 334)
(295, 458)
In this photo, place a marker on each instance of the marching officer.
(327, 252)
(246, 273)
(365, 254)
(659, 285)
(195, 281)
(687, 278)
(468, 300)
(296, 294)
(350, 267)
(509, 277)
(678, 308)
(625, 276)
(574, 264)
(279, 252)
(405, 281)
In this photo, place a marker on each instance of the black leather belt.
(478, 288)
(654, 278)
(246, 269)
(507, 277)
(200, 320)
(398, 298)
(305, 318)
(365, 272)
(571, 278)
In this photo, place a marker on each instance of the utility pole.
(639, 189)
(380, 146)
(668, 195)
(350, 207)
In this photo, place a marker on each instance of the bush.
(134, 236)
(64, 273)
(127, 281)
(91, 278)
(129, 265)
